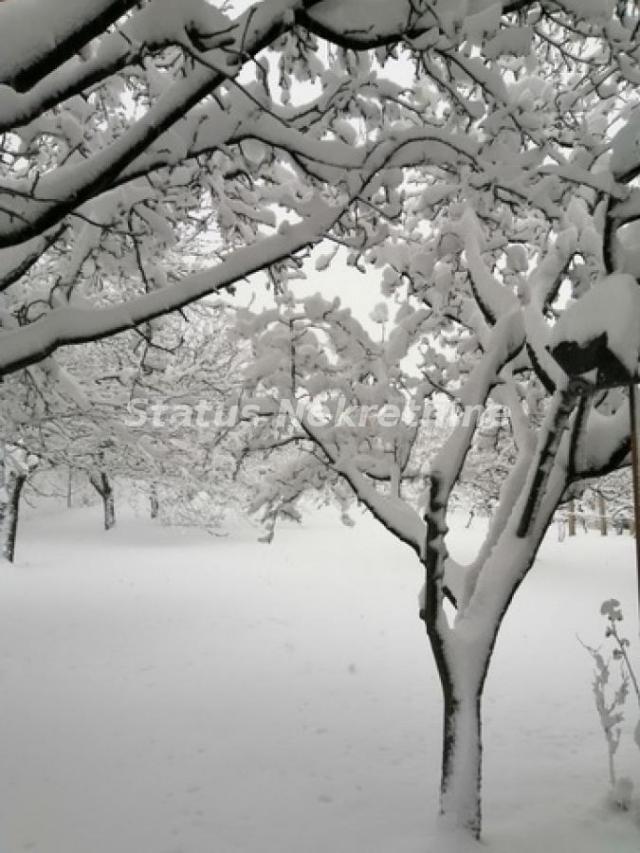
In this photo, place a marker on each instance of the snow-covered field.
(170, 692)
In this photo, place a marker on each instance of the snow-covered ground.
(170, 692)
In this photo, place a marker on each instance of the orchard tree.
(607, 503)
(16, 463)
(614, 495)
(496, 191)
(515, 283)
(32, 436)
(126, 410)
(360, 414)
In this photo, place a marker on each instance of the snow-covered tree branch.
(157, 152)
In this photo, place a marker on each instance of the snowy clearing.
(170, 692)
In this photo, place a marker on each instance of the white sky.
(357, 291)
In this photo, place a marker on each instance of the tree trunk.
(103, 487)
(571, 517)
(463, 652)
(462, 686)
(602, 513)
(460, 786)
(462, 646)
(109, 509)
(154, 503)
(9, 514)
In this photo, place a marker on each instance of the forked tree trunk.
(463, 652)
(9, 512)
(103, 487)
(463, 663)
(462, 686)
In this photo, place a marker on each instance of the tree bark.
(9, 514)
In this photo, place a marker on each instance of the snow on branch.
(493, 298)
(604, 443)
(27, 208)
(153, 28)
(395, 514)
(36, 40)
(66, 325)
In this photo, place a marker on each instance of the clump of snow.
(611, 307)
(590, 9)
(380, 313)
(512, 40)
(483, 23)
(625, 148)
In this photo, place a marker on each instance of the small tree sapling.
(610, 699)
